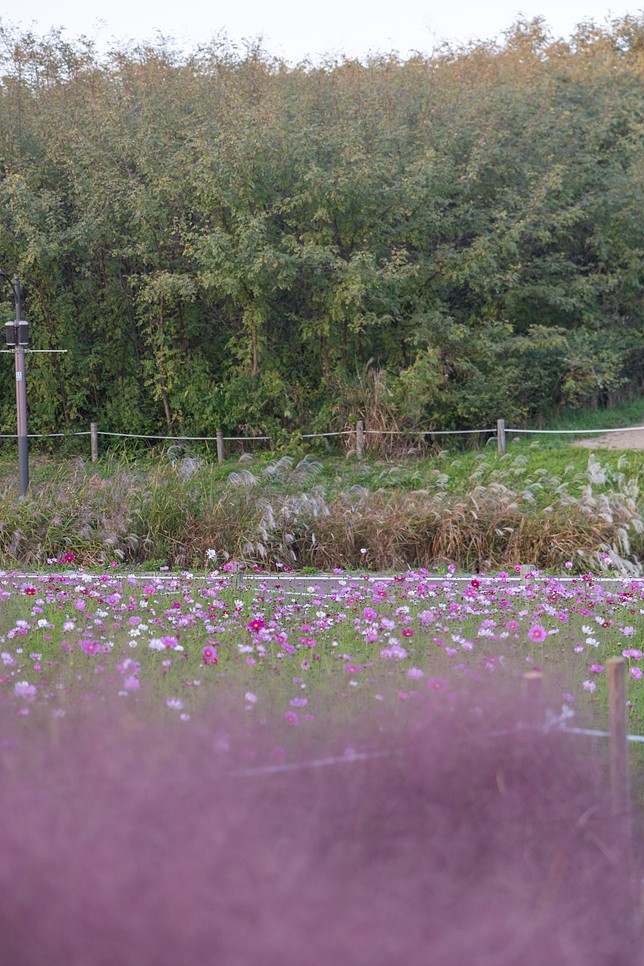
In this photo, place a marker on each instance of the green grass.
(623, 415)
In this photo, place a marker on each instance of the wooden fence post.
(359, 439)
(619, 776)
(93, 427)
(533, 697)
(220, 446)
(500, 435)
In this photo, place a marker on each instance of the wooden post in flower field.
(359, 439)
(533, 685)
(500, 435)
(619, 776)
(533, 697)
(220, 446)
(93, 428)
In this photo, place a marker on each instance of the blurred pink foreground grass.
(166, 800)
(461, 840)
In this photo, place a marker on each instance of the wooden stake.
(533, 684)
(93, 427)
(500, 435)
(619, 775)
(359, 439)
(533, 696)
(220, 446)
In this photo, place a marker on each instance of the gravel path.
(625, 439)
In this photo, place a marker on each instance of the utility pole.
(21, 392)
(17, 334)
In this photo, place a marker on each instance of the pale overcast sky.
(292, 29)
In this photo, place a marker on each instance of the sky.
(295, 30)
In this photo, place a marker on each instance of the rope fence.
(87, 432)
(579, 432)
(498, 432)
(423, 432)
(353, 757)
(592, 733)
(541, 721)
(343, 432)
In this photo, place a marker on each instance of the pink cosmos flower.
(537, 633)
(209, 655)
(23, 689)
(437, 684)
(394, 652)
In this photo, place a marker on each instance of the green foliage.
(219, 240)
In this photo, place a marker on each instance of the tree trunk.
(255, 354)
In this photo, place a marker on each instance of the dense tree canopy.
(223, 240)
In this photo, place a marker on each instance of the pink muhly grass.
(463, 840)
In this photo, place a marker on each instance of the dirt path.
(625, 439)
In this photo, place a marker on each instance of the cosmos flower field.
(181, 642)
(226, 768)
